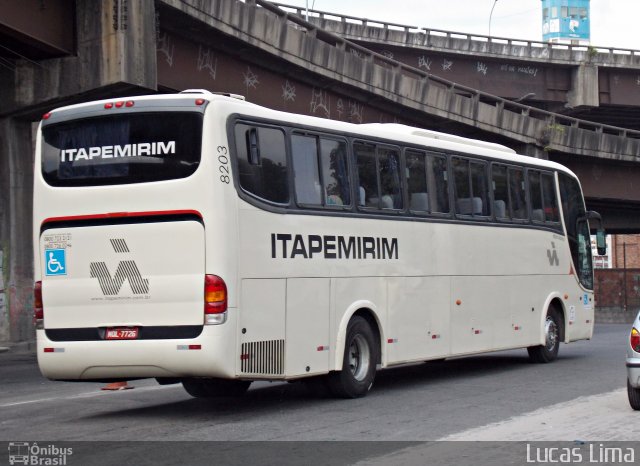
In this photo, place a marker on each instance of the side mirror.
(601, 243)
(601, 235)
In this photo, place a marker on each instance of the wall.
(616, 302)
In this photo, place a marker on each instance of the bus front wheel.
(552, 331)
(358, 363)
(212, 388)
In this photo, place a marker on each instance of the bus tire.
(552, 331)
(634, 396)
(358, 363)
(215, 388)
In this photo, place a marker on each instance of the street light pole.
(491, 14)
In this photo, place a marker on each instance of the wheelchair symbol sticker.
(55, 262)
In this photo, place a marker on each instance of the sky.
(614, 23)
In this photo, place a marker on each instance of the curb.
(22, 347)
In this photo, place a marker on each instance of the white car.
(633, 365)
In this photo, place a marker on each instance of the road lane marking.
(82, 395)
(602, 417)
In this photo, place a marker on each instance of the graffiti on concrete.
(288, 92)
(207, 61)
(320, 102)
(528, 70)
(424, 62)
(355, 111)
(340, 108)
(166, 47)
(250, 79)
(482, 68)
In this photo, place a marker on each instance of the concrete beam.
(115, 53)
(585, 87)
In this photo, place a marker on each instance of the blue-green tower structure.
(566, 21)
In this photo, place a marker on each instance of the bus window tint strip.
(127, 148)
(388, 179)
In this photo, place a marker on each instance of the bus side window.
(550, 199)
(367, 175)
(470, 187)
(417, 181)
(335, 172)
(500, 191)
(517, 194)
(304, 155)
(462, 186)
(438, 180)
(535, 194)
(265, 177)
(390, 182)
(480, 188)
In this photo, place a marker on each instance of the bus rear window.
(120, 149)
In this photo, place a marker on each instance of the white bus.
(202, 239)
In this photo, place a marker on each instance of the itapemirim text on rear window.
(121, 149)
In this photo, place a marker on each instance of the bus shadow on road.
(266, 399)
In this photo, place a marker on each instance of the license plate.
(129, 333)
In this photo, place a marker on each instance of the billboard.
(565, 20)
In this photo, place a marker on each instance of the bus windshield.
(127, 148)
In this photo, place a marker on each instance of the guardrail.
(428, 32)
(553, 120)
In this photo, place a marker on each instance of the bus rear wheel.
(358, 363)
(212, 388)
(552, 331)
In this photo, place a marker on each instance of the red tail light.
(38, 308)
(634, 340)
(215, 295)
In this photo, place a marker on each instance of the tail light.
(38, 308)
(634, 340)
(215, 300)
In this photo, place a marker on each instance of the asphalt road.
(452, 400)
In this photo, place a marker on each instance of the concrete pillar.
(116, 55)
(16, 198)
(584, 86)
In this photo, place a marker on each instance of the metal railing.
(428, 32)
(553, 120)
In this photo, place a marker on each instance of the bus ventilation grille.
(263, 357)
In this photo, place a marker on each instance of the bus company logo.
(287, 246)
(126, 270)
(552, 255)
(33, 454)
(112, 152)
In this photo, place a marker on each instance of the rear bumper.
(633, 372)
(211, 354)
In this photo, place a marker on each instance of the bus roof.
(393, 132)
